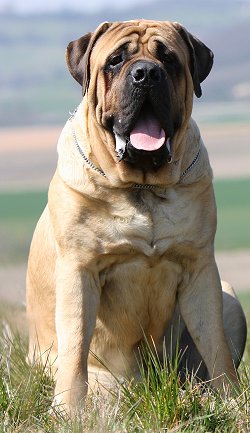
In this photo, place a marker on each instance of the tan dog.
(129, 229)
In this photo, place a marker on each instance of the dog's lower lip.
(130, 154)
(134, 156)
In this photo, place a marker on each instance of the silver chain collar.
(85, 157)
(189, 168)
(136, 185)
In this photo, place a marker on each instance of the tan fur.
(108, 261)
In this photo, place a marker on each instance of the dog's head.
(139, 78)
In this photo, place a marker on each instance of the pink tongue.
(147, 133)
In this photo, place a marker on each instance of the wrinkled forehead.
(138, 35)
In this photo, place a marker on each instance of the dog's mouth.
(147, 140)
(147, 134)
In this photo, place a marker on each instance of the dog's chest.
(139, 279)
(150, 224)
(139, 274)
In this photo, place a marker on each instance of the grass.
(233, 214)
(18, 216)
(156, 404)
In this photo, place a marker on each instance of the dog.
(125, 245)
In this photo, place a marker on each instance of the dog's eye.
(167, 57)
(116, 60)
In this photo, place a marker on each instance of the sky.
(53, 5)
(24, 6)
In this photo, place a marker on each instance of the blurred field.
(233, 214)
(18, 216)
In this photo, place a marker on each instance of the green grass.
(20, 211)
(156, 404)
(23, 206)
(233, 205)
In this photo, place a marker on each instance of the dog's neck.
(77, 169)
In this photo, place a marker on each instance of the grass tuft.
(25, 391)
(159, 402)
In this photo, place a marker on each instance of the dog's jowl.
(126, 242)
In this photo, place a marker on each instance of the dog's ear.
(201, 58)
(78, 54)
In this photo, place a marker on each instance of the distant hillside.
(36, 88)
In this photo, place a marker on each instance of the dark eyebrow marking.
(123, 47)
(115, 60)
(167, 56)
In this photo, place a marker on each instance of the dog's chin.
(139, 158)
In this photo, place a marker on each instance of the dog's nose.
(145, 73)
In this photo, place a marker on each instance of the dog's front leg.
(201, 308)
(77, 301)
